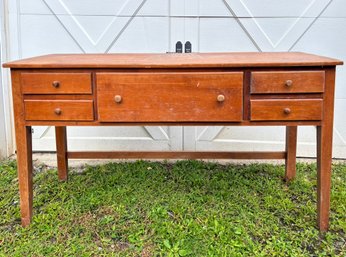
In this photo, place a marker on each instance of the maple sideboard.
(234, 89)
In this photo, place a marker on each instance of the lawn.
(186, 208)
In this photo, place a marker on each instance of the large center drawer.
(169, 97)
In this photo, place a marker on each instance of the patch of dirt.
(147, 251)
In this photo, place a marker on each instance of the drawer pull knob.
(289, 83)
(287, 111)
(118, 99)
(57, 111)
(56, 84)
(220, 98)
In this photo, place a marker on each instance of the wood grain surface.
(61, 152)
(324, 153)
(268, 82)
(291, 152)
(241, 89)
(169, 97)
(69, 110)
(245, 59)
(274, 109)
(56, 83)
(24, 152)
(176, 155)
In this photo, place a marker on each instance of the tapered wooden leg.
(61, 150)
(324, 152)
(24, 164)
(291, 152)
(324, 163)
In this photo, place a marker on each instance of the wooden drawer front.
(287, 82)
(168, 97)
(56, 83)
(283, 109)
(81, 110)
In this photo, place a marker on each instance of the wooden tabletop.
(172, 60)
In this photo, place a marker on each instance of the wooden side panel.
(56, 83)
(284, 109)
(264, 82)
(58, 110)
(170, 97)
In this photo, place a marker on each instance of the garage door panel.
(110, 26)
(315, 26)
(339, 141)
(270, 8)
(102, 8)
(144, 34)
(80, 7)
(33, 7)
(111, 138)
(336, 9)
(329, 37)
(38, 38)
(228, 37)
(217, 9)
(273, 26)
(274, 8)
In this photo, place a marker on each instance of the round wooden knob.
(287, 111)
(57, 111)
(220, 98)
(118, 99)
(56, 84)
(289, 83)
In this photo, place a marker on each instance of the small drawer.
(273, 82)
(56, 83)
(81, 110)
(284, 109)
(170, 97)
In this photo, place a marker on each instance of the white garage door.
(83, 26)
(3, 141)
(88, 26)
(315, 26)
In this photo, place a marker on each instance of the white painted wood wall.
(3, 141)
(36, 27)
(5, 145)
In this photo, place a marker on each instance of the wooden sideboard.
(235, 89)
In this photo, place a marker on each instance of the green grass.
(188, 208)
